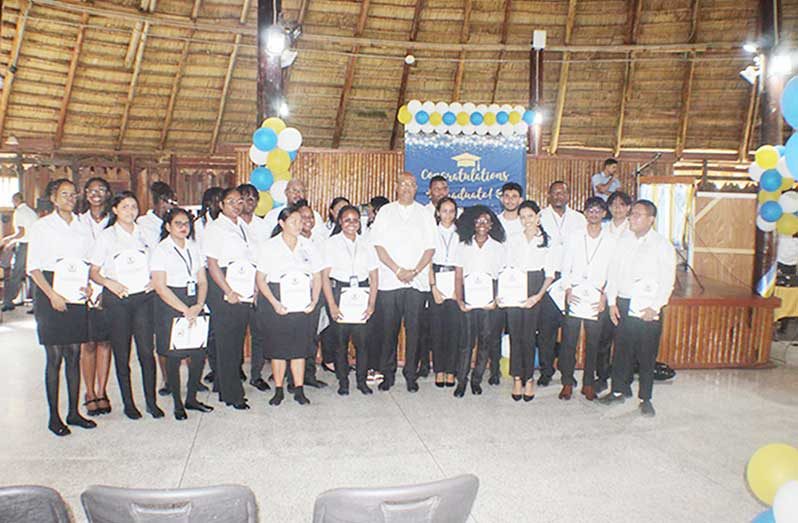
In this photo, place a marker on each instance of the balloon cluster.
(274, 147)
(467, 118)
(772, 475)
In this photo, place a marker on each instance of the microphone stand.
(640, 168)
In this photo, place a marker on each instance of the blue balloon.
(422, 117)
(771, 211)
(780, 149)
(264, 139)
(766, 516)
(770, 180)
(529, 117)
(449, 118)
(791, 154)
(277, 205)
(789, 102)
(502, 117)
(476, 118)
(292, 155)
(261, 178)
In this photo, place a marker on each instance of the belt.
(443, 268)
(343, 284)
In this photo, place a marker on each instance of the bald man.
(294, 191)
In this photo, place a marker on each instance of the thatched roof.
(107, 75)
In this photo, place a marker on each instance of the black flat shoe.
(180, 415)
(299, 396)
(459, 392)
(277, 398)
(155, 411)
(516, 397)
(529, 398)
(385, 386)
(544, 381)
(452, 384)
(198, 406)
(260, 384)
(343, 390)
(58, 428)
(362, 387)
(132, 412)
(440, 384)
(240, 406)
(494, 380)
(412, 386)
(210, 377)
(315, 383)
(96, 411)
(163, 391)
(80, 421)
(476, 389)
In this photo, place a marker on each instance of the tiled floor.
(545, 461)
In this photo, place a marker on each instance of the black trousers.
(567, 359)
(551, 318)
(483, 328)
(231, 331)
(196, 360)
(343, 332)
(522, 326)
(446, 324)
(425, 348)
(637, 343)
(14, 281)
(397, 305)
(132, 316)
(607, 338)
(374, 336)
(257, 359)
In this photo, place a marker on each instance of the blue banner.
(475, 166)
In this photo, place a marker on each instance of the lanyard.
(189, 263)
(447, 243)
(589, 259)
(243, 234)
(352, 255)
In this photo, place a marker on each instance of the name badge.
(191, 288)
(354, 282)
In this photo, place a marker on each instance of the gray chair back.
(222, 503)
(446, 501)
(24, 504)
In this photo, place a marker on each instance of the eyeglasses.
(484, 221)
(230, 201)
(97, 192)
(180, 223)
(68, 195)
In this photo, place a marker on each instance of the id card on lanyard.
(353, 279)
(191, 284)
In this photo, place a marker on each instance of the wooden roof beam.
(400, 99)
(562, 85)
(747, 130)
(687, 84)
(349, 77)
(73, 67)
(170, 108)
(508, 7)
(134, 80)
(633, 14)
(195, 9)
(11, 70)
(464, 32)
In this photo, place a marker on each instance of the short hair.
(557, 182)
(161, 191)
(17, 196)
(378, 201)
(438, 178)
(248, 188)
(610, 161)
(649, 205)
(625, 198)
(595, 201)
(512, 186)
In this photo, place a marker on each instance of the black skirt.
(59, 328)
(164, 314)
(285, 337)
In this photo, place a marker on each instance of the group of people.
(458, 279)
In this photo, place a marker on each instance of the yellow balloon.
(515, 117)
(404, 115)
(787, 224)
(462, 118)
(274, 123)
(489, 119)
(767, 157)
(281, 176)
(771, 467)
(265, 203)
(767, 196)
(787, 183)
(435, 118)
(278, 160)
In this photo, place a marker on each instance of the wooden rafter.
(303, 12)
(349, 76)
(508, 7)
(464, 32)
(134, 80)
(687, 84)
(562, 85)
(73, 67)
(400, 99)
(11, 70)
(195, 9)
(634, 12)
(170, 108)
(747, 131)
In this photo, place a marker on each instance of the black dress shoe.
(132, 412)
(79, 421)
(155, 411)
(260, 384)
(543, 381)
(459, 392)
(423, 372)
(299, 396)
(277, 398)
(201, 387)
(362, 387)
(494, 380)
(311, 381)
(163, 391)
(385, 385)
(7, 308)
(600, 386)
(197, 405)
(476, 389)
(180, 414)
(209, 377)
(343, 389)
(58, 428)
(412, 386)
(241, 406)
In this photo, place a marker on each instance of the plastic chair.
(28, 503)
(222, 503)
(446, 501)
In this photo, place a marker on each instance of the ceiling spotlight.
(750, 47)
(538, 120)
(781, 64)
(275, 40)
(284, 112)
(750, 74)
(410, 59)
(12, 140)
(287, 57)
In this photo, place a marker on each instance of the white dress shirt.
(24, 216)
(511, 227)
(525, 255)
(447, 243)
(180, 265)
(787, 251)
(488, 259)
(430, 208)
(53, 239)
(275, 258)
(227, 241)
(94, 227)
(150, 226)
(560, 227)
(587, 259)
(346, 258)
(405, 232)
(256, 230)
(616, 230)
(113, 241)
(650, 257)
(270, 222)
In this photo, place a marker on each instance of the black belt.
(443, 268)
(343, 284)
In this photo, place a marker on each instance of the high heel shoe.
(58, 428)
(529, 397)
(516, 397)
(79, 421)
(299, 396)
(96, 411)
(277, 398)
(103, 410)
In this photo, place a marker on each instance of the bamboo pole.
(508, 7)
(464, 32)
(635, 10)
(562, 86)
(73, 67)
(134, 79)
(687, 83)
(747, 131)
(11, 70)
(170, 108)
(400, 99)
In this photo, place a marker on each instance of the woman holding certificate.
(57, 254)
(529, 254)
(480, 257)
(289, 268)
(446, 318)
(230, 252)
(120, 263)
(350, 286)
(179, 279)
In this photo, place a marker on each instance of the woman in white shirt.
(336, 205)
(95, 354)
(293, 259)
(480, 257)
(61, 326)
(445, 316)
(231, 255)
(349, 261)
(530, 253)
(179, 279)
(120, 263)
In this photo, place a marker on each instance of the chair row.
(446, 501)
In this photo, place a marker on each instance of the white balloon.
(755, 172)
(482, 108)
(506, 108)
(482, 129)
(493, 108)
(520, 127)
(469, 129)
(469, 107)
(441, 107)
(455, 128)
(785, 504)
(441, 129)
(494, 130)
(414, 106)
(427, 128)
(412, 127)
(782, 167)
(455, 107)
(257, 156)
(507, 129)
(289, 139)
(765, 226)
(278, 191)
(520, 109)
(789, 202)
(428, 106)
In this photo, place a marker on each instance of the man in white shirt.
(605, 183)
(511, 197)
(23, 218)
(618, 204)
(163, 199)
(559, 221)
(294, 191)
(404, 237)
(640, 282)
(438, 189)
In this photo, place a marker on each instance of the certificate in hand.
(132, 270)
(587, 307)
(444, 282)
(240, 277)
(353, 304)
(512, 288)
(70, 276)
(186, 336)
(643, 294)
(478, 287)
(557, 294)
(295, 291)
